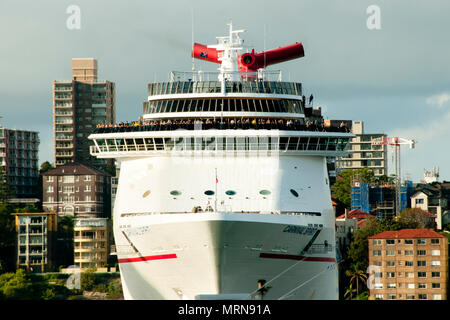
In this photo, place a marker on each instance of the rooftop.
(356, 214)
(407, 234)
(73, 168)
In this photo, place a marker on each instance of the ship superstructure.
(223, 190)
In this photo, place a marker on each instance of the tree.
(7, 238)
(16, 286)
(342, 187)
(356, 275)
(415, 218)
(45, 166)
(6, 192)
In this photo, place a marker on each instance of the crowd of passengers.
(205, 124)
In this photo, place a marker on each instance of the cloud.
(438, 99)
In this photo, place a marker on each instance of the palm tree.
(356, 274)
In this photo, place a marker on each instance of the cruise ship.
(223, 190)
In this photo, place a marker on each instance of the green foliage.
(45, 166)
(88, 280)
(16, 286)
(6, 191)
(342, 187)
(7, 238)
(415, 218)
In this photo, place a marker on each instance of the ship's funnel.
(202, 52)
(250, 62)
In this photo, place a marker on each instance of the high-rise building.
(19, 151)
(408, 264)
(78, 106)
(363, 153)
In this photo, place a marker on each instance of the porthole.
(230, 192)
(265, 192)
(175, 193)
(294, 193)
(209, 192)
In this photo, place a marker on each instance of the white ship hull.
(166, 251)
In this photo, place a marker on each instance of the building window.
(87, 188)
(69, 179)
(390, 274)
(87, 178)
(409, 297)
(390, 252)
(421, 263)
(435, 285)
(408, 252)
(410, 286)
(422, 241)
(377, 252)
(435, 274)
(409, 263)
(378, 286)
(421, 274)
(421, 252)
(376, 242)
(435, 241)
(437, 297)
(390, 263)
(422, 285)
(408, 241)
(435, 252)
(50, 179)
(419, 201)
(422, 296)
(391, 285)
(435, 263)
(409, 275)
(50, 199)
(50, 189)
(390, 241)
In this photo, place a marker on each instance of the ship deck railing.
(207, 82)
(242, 142)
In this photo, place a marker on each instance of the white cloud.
(438, 99)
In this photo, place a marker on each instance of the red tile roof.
(407, 234)
(356, 214)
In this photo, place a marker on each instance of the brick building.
(78, 190)
(409, 264)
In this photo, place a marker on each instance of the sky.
(395, 78)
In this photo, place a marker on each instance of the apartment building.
(35, 240)
(78, 190)
(408, 264)
(19, 151)
(435, 199)
(91, 242)
(78, 106)
(363, 153)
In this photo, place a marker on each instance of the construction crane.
(395, 142)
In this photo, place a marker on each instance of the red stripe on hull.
(149, 258)
(294, 257)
